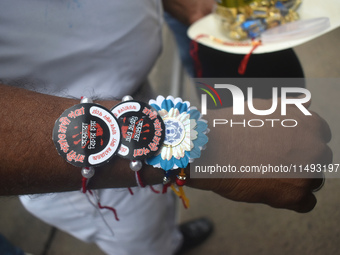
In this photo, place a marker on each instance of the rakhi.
(87, 135)
(185, 137)
(143, 133)
(166, 133)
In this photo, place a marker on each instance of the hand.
(248, 146)
(188, 11)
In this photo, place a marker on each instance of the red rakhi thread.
(109, 208)
(139, 179)
(105, 207)
(87, 173)
(197, 63)
(194, 55)
(130, 190)
(153, 189)
(136, 166)
(84, 184)
(165, 187)
(243, 65)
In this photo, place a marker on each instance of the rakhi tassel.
(181, 194)
(180, 181)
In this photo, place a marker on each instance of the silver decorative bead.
(166, 180)
(181, 177)
(136, 165)
(127, 98)
(86, 100)
(87, 172)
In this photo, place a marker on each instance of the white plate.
(308, 9)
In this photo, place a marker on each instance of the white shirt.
(76, 48)
(94, 48)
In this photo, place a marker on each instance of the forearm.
(29, 162)
(188, 11)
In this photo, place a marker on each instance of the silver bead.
(181, 177)
(166, 180)
(86, 100)
(87, 172)
(136, 165)
(127, 98)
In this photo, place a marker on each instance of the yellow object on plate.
(310, 9)
(244, 19)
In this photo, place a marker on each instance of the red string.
(140, 179)
(165, 187)
(106, 207)
(243, 65)
(130, 190)
(83, 185)
(153, 189)
(109, 208)
(194, 55)
(197, 63)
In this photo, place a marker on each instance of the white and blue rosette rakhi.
(185, 137)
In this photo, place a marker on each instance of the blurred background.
(240, 228)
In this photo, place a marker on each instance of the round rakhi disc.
(143, 130)
(87, 135)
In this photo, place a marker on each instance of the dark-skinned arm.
(29, 162)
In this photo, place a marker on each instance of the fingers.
(323, 127)
(299, 200)
(292, 194)
(327, 156)
(306, 204)
(322, 135)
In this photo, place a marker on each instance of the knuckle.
(328, 155)
(319, 153)
(304, 183)
(324, 154)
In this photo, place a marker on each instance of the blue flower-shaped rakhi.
(185, 137)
